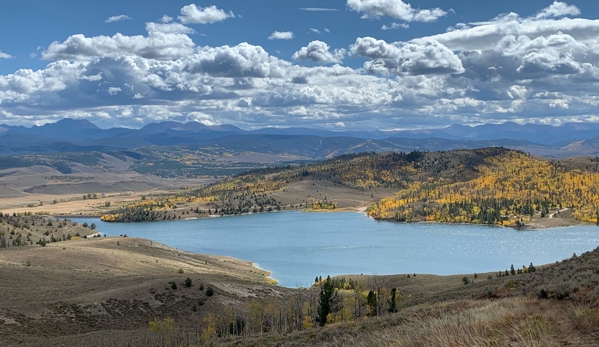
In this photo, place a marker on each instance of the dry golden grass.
(462, 323)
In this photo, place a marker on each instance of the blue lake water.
(297, 246)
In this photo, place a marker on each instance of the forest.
(509, 190)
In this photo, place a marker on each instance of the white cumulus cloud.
(430, 57)
(243, 60)
(541, 69)
(281, 35)
(482, 35)
(165, 19)
(319, 52)
(164, 41)
(192, 14)
(558, 9)
(374, 9)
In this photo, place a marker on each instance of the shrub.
(209, 291)
(201, 287)
(188, 282)
(465, 280)
(180, 271)
(107, 204)
(173, 285)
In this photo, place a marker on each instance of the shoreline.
(361, 210)
(268, 273)
(268, 279)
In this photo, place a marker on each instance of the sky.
(333, 64)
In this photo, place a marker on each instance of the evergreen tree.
(393, 305)
(328, 301)
(531, 268)
(371, 301)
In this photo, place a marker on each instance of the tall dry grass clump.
(466, 323)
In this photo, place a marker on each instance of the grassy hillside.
(106, 291)
(124, 291)
(482, 186)
(18, 230)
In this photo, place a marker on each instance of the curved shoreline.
(160, 233)
(268, 272)
(535, 224)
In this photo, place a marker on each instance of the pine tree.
(371, 301)
(393, 306)
(531, 268)
(328, 301)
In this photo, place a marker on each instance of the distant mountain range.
(70, 135)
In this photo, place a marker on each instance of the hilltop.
(105, 291)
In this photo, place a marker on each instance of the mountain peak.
(70, 124)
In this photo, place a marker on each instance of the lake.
(298, 246)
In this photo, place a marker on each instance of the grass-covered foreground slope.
(487, 186)
(121, 291)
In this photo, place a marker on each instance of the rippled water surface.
(297, 246)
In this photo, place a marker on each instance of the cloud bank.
(542, 69)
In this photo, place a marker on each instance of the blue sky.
(325, 64)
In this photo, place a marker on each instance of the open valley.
(169, 271)
(342, 173)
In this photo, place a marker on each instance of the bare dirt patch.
(317, 189)
(555, 219)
